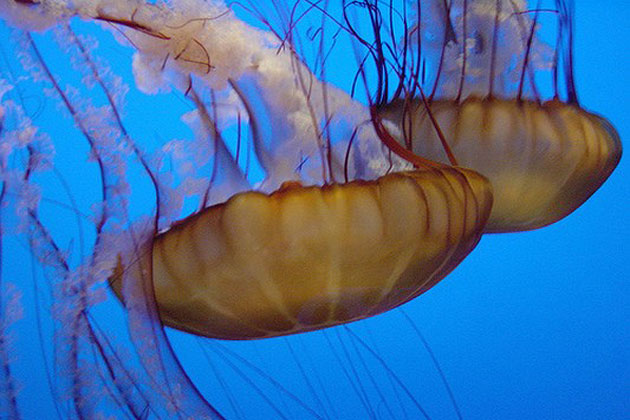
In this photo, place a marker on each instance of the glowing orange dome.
(543, 160)
(305, 258)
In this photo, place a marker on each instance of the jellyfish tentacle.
(226, 352)
(435, 362)
(79, 322)
(8, 392)
(406, 390)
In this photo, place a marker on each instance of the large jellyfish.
(229, 82)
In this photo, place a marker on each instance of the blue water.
(531, 325)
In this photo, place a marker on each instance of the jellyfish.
(305, 258)
(301, 257)
(338, 160)
(477, 86)
(305, 251)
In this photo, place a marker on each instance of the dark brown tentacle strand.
(556, 55)
(8, 383)
(528, 49)
(462, 76)
(395, 147)
(493, 54)
(567, 12)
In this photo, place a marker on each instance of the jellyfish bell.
(483, 107)
(543, 159)
(306, 257)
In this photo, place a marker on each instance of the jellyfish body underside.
(306, 258)
(543, 160)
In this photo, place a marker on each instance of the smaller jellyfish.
(470, 94)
